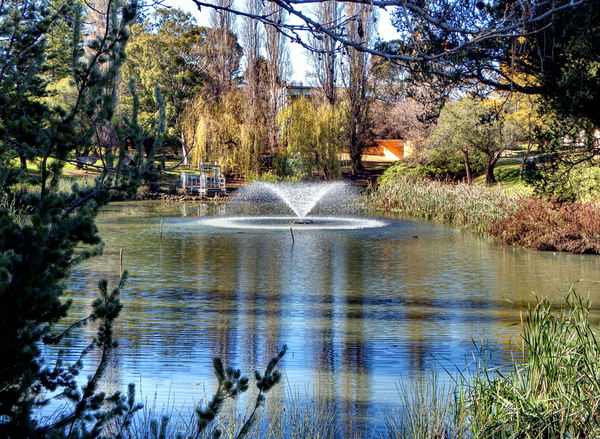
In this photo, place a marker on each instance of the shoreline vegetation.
(551, 389)
(513, 217)
(508, 212)
(468, 207)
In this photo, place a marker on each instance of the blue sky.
(297, 54)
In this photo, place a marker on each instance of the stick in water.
(292, 232)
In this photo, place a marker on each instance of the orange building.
(393, 149)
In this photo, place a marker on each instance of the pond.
(360, 310)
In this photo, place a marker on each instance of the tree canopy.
(555, 42)
(167, 50)
(480, 131)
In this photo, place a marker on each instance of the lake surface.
(360, 310)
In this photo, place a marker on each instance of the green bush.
(434, 165)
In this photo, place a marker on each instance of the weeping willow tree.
(313, 133)
(219, 131)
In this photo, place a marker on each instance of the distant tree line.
(543, 53)
(225, 89)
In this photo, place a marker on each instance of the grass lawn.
(507, 174)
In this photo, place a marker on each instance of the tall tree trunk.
(254, 76)
(278, 61)
(324, 59)
(23, 161)
(224, 57)
(184, 151)
(491, 164)
(489, 171)
(360, 27)
(468, 166)
(355, 151)
(528, 151)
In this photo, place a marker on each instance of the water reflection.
(358, 309)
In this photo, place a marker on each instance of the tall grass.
(468, 207)
(552, 389)
(428, 410)
(64, 186)
(555, 391)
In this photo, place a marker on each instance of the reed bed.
(543, 225)
(552, 391)
(469, 207)
(555, 391)
(428, 410)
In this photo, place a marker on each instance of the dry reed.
(468, 207)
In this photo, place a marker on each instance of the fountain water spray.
(331, 198)
(300, 198)
(303, 198)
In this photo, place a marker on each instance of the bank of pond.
(515, 219)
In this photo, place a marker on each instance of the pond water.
(360, 310)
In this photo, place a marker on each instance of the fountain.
(321, 205)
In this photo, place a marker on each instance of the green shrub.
(431, 165)
(143, 192)
(401, 169)
(272, 177)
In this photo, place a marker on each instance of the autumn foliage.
(544, 225)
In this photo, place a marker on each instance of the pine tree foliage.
(230, 384)
(45, 229)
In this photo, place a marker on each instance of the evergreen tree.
(44, 229)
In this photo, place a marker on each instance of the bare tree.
(360, 27)
(252, 35)
(96, 19)
(324, 58)
(277, 56)
(222, 56)
(252, 41)
(473, 26)
(401, 119)
(97, 25)
(222, 50)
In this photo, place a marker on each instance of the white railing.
(202, 183)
